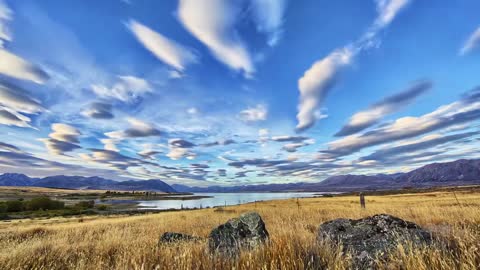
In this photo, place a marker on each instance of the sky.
(218, 92)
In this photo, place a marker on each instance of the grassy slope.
(131, 242)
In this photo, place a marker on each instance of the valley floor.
(130, 242)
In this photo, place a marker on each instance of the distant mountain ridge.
(81, 182)
(455, 173)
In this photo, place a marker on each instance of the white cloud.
(17, 67)
(125, 89)
(5, 16)
(368, 117)
(321, 76)
(137, 129)
(15, 101)
(269, 17)
(11, 64)
(453, 114)
(472, 43)
(64, 132)
(387, 11)
(12, 118)
(315, 84)
(18, 100)
(264, 132)
(213, 23)
(178, 153)
(64, 138)
(258, 113)
(180, 148)
(174, 74)
(166, 50)
(192, 110)
(110, 144)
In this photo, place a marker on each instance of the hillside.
(80, 182)
(456, 173)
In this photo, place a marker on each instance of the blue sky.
(220, 92)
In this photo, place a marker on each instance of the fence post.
(362, 200)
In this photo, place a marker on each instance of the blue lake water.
(220, 199)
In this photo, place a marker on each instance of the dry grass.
(131, 242)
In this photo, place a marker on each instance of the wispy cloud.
(255, 114)
(12, 118)
(17, 67)
(213, 23)
(13, 65)
(16, 104)
(137, 129)
(5, 16)
(99, 110)
(165, 49)
(269, 17)
(64, 138)
(366, 118)
(316, 83)
(180, 148)
(462, 111)
(472, 43)
(434, 140)
(321, 77)
(127, 88)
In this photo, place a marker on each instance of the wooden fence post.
(362, 200)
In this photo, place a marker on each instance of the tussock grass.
(131, 242)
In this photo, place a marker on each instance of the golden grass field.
(123, 242)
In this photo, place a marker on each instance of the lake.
(221, 199)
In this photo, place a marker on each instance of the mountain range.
(456, 173)
(81, 182)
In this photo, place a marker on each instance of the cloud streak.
(366, 118)
(99, 110)
(126, 89)
(322, 76)
(63, 139)
(213, 23)
(269, 17)
(15, 102)
(255, 114)
(462, 111)
(472, 43)
(165, 49)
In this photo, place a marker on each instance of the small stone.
(245, 232)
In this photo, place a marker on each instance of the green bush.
(3, 207)
(85, 204)
(44, 203)
(14, 206)
(102, 207)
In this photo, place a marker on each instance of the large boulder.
(245, 232)
(173, 237)
(372, 237)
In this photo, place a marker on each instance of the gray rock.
(245, 232)
(372, 237)
(173, 237)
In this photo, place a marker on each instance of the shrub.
(85, 204)
(3, 207)
(14, 206)
(102, 207)
(44, 203)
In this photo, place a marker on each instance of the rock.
(245, 232)
(372, 237)
(173, 237)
